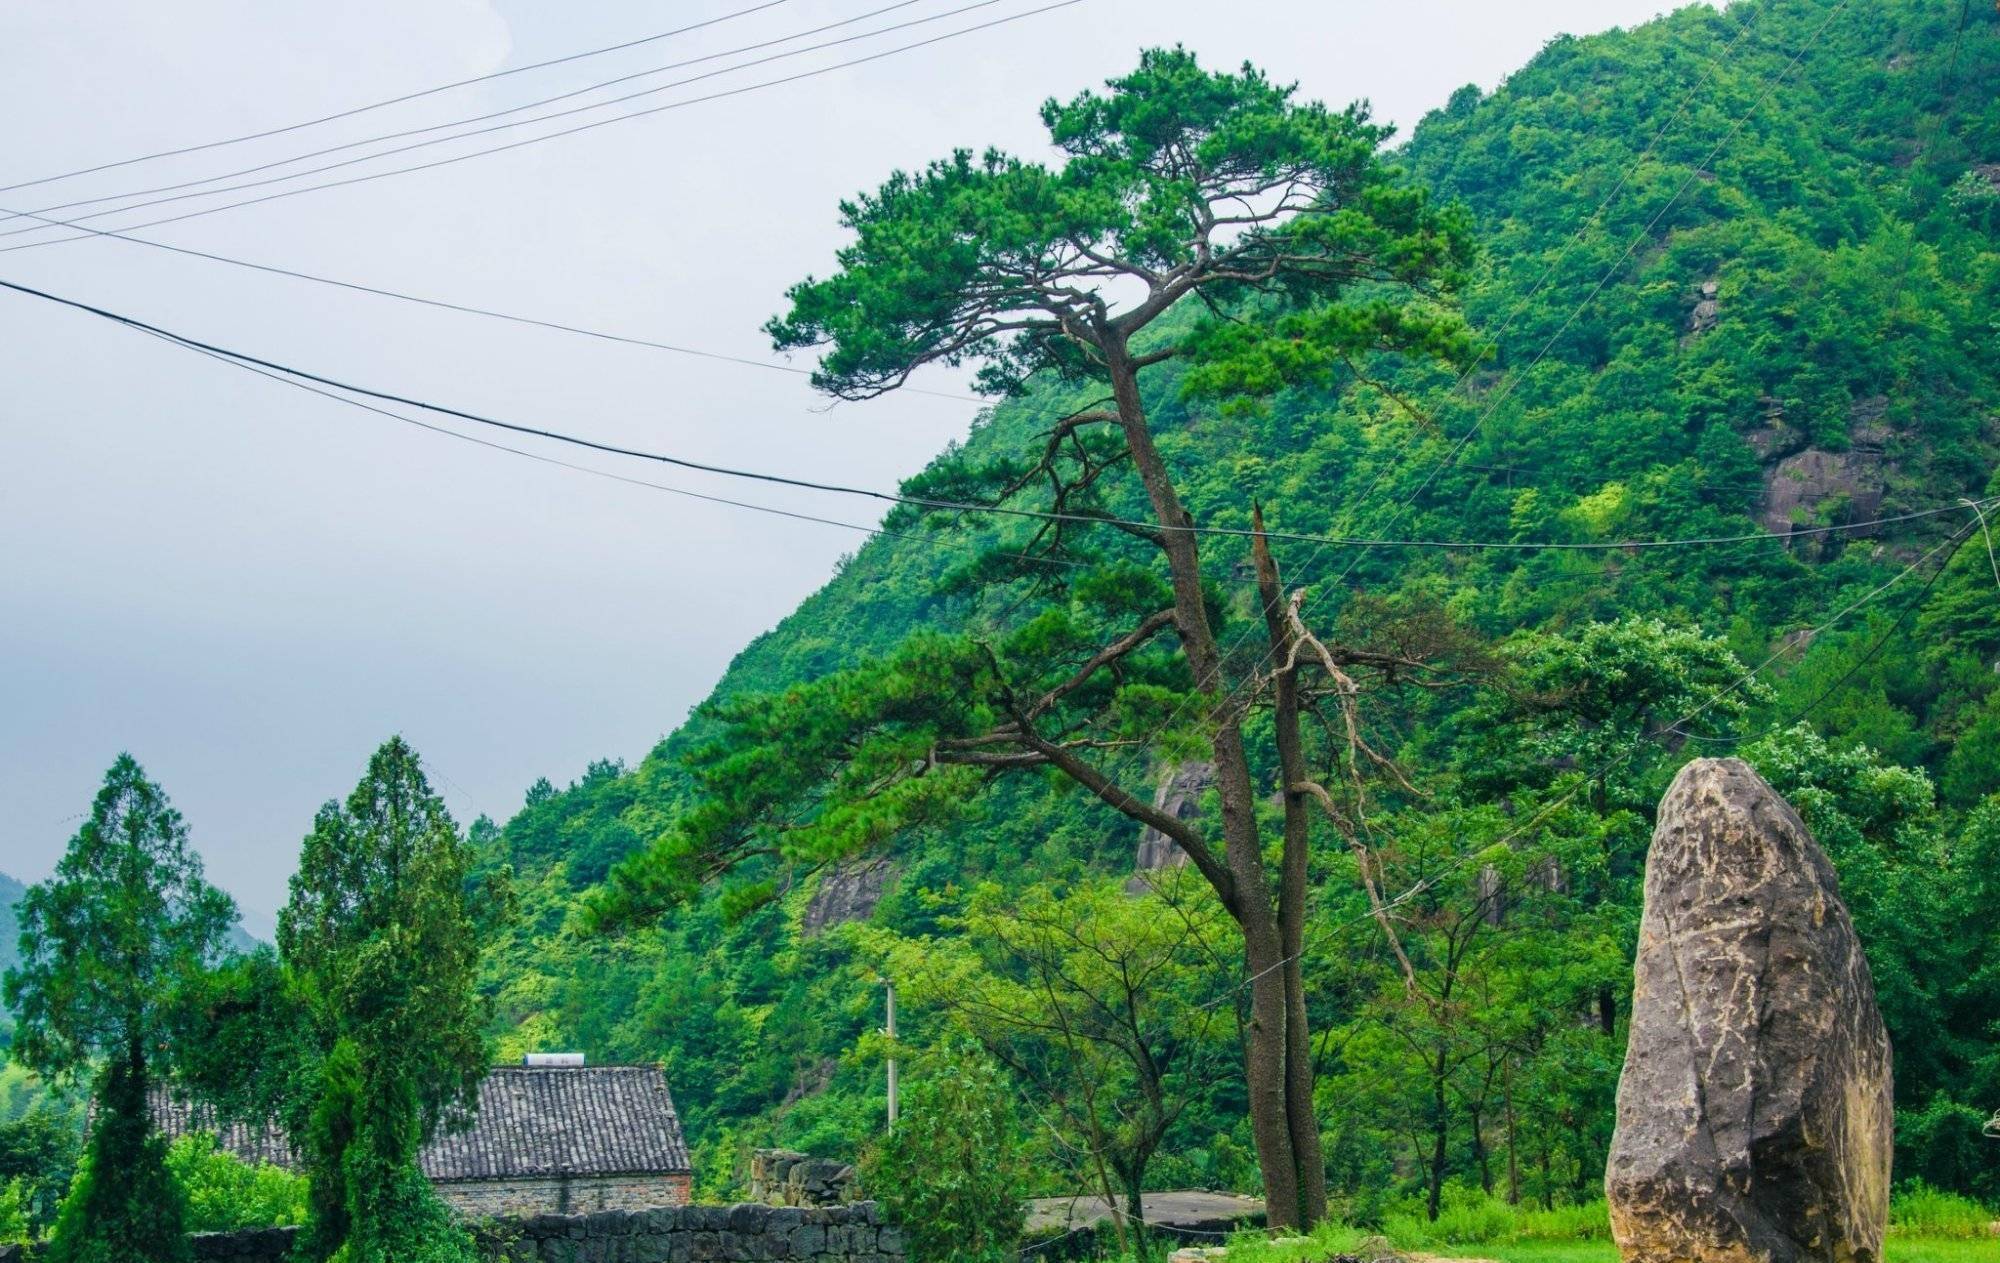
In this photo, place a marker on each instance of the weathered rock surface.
(848, 891)
(784, 1177)
(1179, 795)
(1707, 311)
(1802, 482)
(1799, 485)
(1754, 1120)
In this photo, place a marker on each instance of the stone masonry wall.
(574, 1195)
(745, 1233)
(783, 1177)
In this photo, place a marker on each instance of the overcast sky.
(249, 587)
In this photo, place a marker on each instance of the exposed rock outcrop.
(783, 1177)
(1806, 481)
(1179, 795)
(1707, 308)
(1799, 486)
(846, 892)
(1754, 1117)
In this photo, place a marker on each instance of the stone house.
(557, 1139)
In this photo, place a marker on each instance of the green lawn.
(1896, 1250)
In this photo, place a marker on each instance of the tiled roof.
(533, 1121)
(176, 1118)
(586, 1120)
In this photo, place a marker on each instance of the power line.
(446, 305)
(568, 131)
(447, 432)
(516, 109)
(1466, 857)
(396, 100)
(925, 502)
(1881, 642)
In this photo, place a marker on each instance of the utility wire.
(445, 305)
(1881, 642)
(926, 502)
(926, 539)
(396, 100)
(516, 109)
(1631, 751)
(533, 140)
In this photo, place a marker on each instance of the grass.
(1895, 1250)
(1925, 1226)
(1919, 1210)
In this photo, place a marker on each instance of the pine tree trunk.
(1249, 900)
(1301, 1117)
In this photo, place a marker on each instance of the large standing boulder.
(1754, 1118)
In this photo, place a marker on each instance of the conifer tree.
(380, 940)
(126, 923)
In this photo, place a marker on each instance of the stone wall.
(746, 1233)
(563, 1195)
(782, 1177)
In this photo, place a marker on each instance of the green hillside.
(10, 926)
(1786, 315)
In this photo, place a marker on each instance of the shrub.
(1918, 1210)
(225, 1193)
(1945, 1145)
(952, 1174)
(122, 1207)
(14, 1212)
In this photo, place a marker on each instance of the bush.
(225, 1193)
(952, 1174)
(1918, 1210)
(368, 1200)
(1945, 1145)
(14, 1212)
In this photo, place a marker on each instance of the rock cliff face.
(1179, 795)
(1804, 481)
(1754, 1117)
(848, 891)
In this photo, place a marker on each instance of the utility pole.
(890, 988)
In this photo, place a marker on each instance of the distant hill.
(10, 925)
(11, 889)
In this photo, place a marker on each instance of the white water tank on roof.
(562, 1060)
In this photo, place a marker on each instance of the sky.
(249, 587)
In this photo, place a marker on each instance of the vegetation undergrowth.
(1920, 1211)
(1925, 1226)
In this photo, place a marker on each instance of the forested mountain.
(10, 894)
(11, 891)
(1741, 271)
(10, 950)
